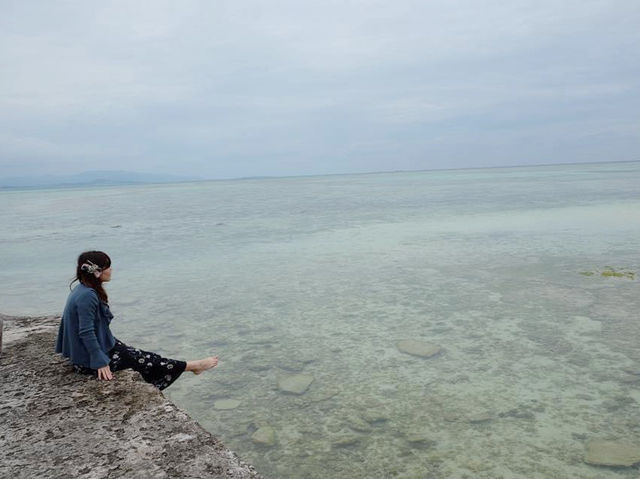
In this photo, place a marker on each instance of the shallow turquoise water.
(323, 275)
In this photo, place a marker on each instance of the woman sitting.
(85, 338)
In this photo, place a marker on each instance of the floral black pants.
(156, 370)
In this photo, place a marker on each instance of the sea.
(479, 323)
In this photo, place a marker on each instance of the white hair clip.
(91, 268)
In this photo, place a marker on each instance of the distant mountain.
(88, 178)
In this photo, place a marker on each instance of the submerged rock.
(324, 394)
(374, 416)
(630, 379)
(345, 440)
(480, 417)
(256, 368)
(296, 384)
(419, 437)
(418, 348)
(520, 412)
(225, 404)
(357, 424)
(612, 453)
(264, 436)
(292, 365)
(586, 324)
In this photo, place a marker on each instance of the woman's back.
(84, 332)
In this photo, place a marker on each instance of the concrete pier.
(55, 423)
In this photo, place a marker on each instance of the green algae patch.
(610, 272)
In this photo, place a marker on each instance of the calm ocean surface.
(323, 276)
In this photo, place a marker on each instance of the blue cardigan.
(84, 335)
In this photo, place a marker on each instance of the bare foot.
(202, 365)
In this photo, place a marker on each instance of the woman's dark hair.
(102, 261)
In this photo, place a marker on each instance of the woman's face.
(106, 275)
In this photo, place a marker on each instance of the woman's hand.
(105, 373)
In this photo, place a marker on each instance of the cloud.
(249, 88)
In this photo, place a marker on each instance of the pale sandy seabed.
(538, 359)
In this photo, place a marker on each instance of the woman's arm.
(87, 307)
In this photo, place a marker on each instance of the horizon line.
(269, 177)
(379, 172)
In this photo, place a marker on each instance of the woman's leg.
(159, 371)
(156, 370)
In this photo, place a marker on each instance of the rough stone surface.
(296, 384)
(418, 348)
(612, 453)
(58, 424)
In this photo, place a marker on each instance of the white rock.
(265, 436)
(224, 404)
(418, 348)
(586, 324)
(612, 453)
(296, 384)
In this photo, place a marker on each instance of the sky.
(223, 89)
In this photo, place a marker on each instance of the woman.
(85, 338)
